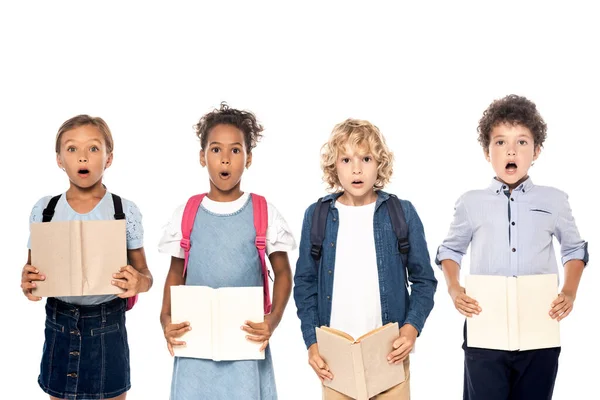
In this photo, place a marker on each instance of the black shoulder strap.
(401, 229)
(317, 230)
(48, 212)
(118, 204)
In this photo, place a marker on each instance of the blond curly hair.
(361, 134)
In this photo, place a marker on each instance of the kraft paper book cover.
(215, 316)
(78, 258)
(360, 367)
(515, 312)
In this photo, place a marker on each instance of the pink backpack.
(259, 208)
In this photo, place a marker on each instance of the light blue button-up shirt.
(511, 233)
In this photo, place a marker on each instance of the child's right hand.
(28, 276)
(318, 364)
(463, 303)
(173, 331)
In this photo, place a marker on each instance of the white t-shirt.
(279, 235)
(356, 304)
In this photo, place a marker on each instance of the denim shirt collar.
(498, 187)
(381, 197)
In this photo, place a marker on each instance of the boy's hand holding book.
(318, 364)
(29, 275)
(404, 344)
(465, 305)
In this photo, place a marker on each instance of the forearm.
(573, 272)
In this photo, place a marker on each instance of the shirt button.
(513, 249)
(513, 223)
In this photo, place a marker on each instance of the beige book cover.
(215, 316)
(514, 312)
(78, 258)
(359, 366)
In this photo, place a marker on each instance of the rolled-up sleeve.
(454, 247)
(572, 246)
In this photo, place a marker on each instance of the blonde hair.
(356, 133)
(82, 120)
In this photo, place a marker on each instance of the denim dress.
(223, 254)
(86, 353)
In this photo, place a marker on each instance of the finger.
(564, 314)
(253, 331)
(35, 277)
(120, 284)
(256, 338)
(170, 347)
(264, 345)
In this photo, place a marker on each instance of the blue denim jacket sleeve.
(420, 271)
(306, 283)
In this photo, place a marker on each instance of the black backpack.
(319, 220)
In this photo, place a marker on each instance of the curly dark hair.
(245, 121)
(513, 110)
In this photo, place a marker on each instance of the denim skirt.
(86, 355)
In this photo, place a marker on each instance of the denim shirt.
(313, 283)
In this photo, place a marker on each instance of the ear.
(109, 160)
(536, 152)
(486, 154)
(202, 158)
(249, 160)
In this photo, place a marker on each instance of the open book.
(215, 316)
(78, 258)
(514, 312)
(360, 367)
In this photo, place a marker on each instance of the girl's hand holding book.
(134, 282)
(29, 275)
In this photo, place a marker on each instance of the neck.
(97, 190)
(232, 194)
(350, 200)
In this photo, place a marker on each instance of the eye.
(367, 159)
(345, 160)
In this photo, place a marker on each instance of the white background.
(422, 73)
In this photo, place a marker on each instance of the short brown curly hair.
(512, 110)
(359, 133)
(245, 121)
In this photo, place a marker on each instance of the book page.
(489, 329)
(193, 304)
(236, 305)
(378, 373)
(537, 329)
(104, 251)
(51, 244)
(336, 352)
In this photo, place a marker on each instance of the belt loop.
(54, 306)
(103, 311)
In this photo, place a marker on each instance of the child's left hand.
(260, 331)
(134, 281)
(403, 345)
(562, 306)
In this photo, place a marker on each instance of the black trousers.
(509, 375)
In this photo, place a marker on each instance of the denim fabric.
(86, 355)
(313, 282)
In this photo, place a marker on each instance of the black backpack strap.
(317, 230)
(48, 212)
(118, 204)
(400, 228)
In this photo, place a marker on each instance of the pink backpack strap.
(261, 221)
(187, 223)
